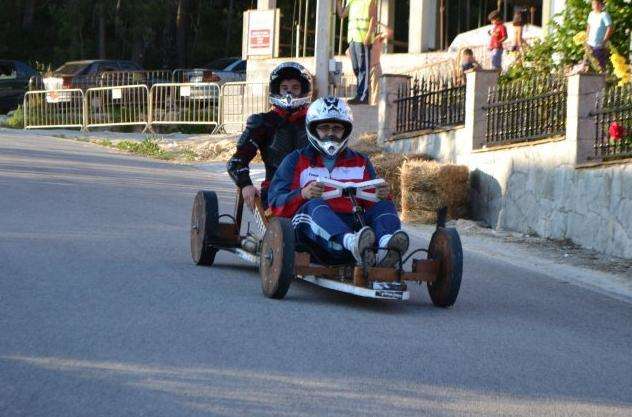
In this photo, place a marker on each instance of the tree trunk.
(27, 17)
(117, 20)
(229, 25)
(101, 24)
(181, 32)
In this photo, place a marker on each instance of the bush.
(16, 120)
(560, 50)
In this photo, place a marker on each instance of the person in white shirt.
(599, 30)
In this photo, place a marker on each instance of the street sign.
(262, 38)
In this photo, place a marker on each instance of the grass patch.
(16, 121)
(147, 147)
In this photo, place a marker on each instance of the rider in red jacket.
(329, 225)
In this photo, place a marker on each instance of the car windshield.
(70, 68)
(222, 63)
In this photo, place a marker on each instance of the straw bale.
(387, 166)
(427, 186)
(367, 144)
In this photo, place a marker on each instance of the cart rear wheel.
(445, 246)
(277, 258)
(204, 227)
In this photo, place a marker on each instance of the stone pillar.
(322, 46)
(477, 88)
(580, 125)
(266, 4)
(390, 84)
(549, 9)
(422, 26)
(386, 14)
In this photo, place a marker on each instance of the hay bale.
(427, 186)
(454, 189)
(367, 144)
(387, 166)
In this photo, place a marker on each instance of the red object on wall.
(616, 131)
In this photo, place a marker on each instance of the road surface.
(102, 313)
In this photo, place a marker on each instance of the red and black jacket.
(274, 134)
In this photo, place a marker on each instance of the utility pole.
(322, 47)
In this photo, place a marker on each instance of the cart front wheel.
(277, 258)
(445, 246)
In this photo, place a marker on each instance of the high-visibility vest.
(359, 20)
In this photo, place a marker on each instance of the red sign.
(260, 38)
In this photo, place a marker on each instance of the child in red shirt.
(498, 36)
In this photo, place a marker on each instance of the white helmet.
(290, 70)
(329, 109)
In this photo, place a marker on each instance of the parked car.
(228, 69)
(220, 71)
(14, 81)
(85, 74)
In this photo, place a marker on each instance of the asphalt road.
(102, 313)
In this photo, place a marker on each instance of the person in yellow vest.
(362, 16)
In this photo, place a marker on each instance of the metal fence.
(430, 104)
(55, 108)
(613, 119)
(121, 78)
(116, 106)
(184, 104)
(238, 101)
(522, 111)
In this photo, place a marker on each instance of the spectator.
(599, 30)
(498, 36)
(376, 67)
(518, 22)
(467, 62)
(362, 20)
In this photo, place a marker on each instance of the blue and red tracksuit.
(325, 222)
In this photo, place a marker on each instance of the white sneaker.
(361, 243)
(397, 245)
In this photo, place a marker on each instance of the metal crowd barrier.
(238, 101)
(121, 78)
(185, 104)
(116, 106)
(54, 108)
(226, 107)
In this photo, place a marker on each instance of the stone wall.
(545, 187)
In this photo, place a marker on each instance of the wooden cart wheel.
(445, 246)
(204, 227)
(277, 258)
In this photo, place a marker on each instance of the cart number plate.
(393, 295)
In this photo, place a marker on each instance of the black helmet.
(290, 71)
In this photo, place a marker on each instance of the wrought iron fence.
(613, 119)
(430, 103)
(526, 110)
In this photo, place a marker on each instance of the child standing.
(498, 36)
